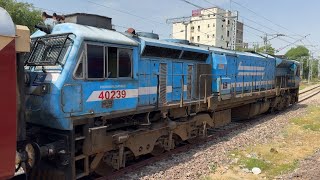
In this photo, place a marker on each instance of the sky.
(293, 18)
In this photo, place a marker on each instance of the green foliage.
(302, 54)
(297, 53)
(269, 50)
(254, 162)
(266, 49)
(22, 13)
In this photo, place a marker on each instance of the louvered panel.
(189, 81)
(163, 83)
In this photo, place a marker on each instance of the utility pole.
(266, 40)
(301, 69)
(310, 60)
(318, 68)
(185, 30)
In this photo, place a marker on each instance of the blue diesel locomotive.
(98, 98)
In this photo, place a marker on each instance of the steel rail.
(309, 90)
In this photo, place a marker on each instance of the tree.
(266, 49)
(301, 54)
(22, 13)
(297, 53)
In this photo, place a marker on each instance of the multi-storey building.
(212, 26)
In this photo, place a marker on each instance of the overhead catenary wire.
(126, 12)
(276, 24)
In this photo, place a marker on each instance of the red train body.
(13, 40)
(8, 96)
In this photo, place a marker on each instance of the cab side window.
(79, 73)
(102, 62)
(95, 61)
(125, 56)
(112, 63)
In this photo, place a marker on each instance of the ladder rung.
(80, 138)
(77, 158)
(80, 175)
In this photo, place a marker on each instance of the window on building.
(222, 37)
(228, 22)
(208, 25)
(207, 35)
(192, 38)
(222, 25)
(192, 28)
(228, 33)
(213, 25)
(95, 61)
(198, 28)
(227, 44)
(213, 35)
(198, 38)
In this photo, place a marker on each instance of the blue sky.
(297, 18)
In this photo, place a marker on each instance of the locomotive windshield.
(48, 50)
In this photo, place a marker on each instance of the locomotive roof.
(110, 36)
(167, 44)
(91, 33)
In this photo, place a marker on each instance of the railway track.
(309, 93)
(212, 135)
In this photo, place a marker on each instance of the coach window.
(125, 56)
(95, 61)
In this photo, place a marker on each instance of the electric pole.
(318, 68)
(310, 60)
(266, 40)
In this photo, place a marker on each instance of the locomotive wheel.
(158, 148)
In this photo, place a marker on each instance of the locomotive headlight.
(45, 88)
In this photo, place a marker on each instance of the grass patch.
(281, 155)
(253, 162)
(206, 178)
(283, 168)
(311, 121)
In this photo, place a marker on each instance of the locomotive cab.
(79, 71)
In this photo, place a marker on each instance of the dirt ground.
(309, 168)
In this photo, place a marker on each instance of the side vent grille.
(189, 81)
(163, 83)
